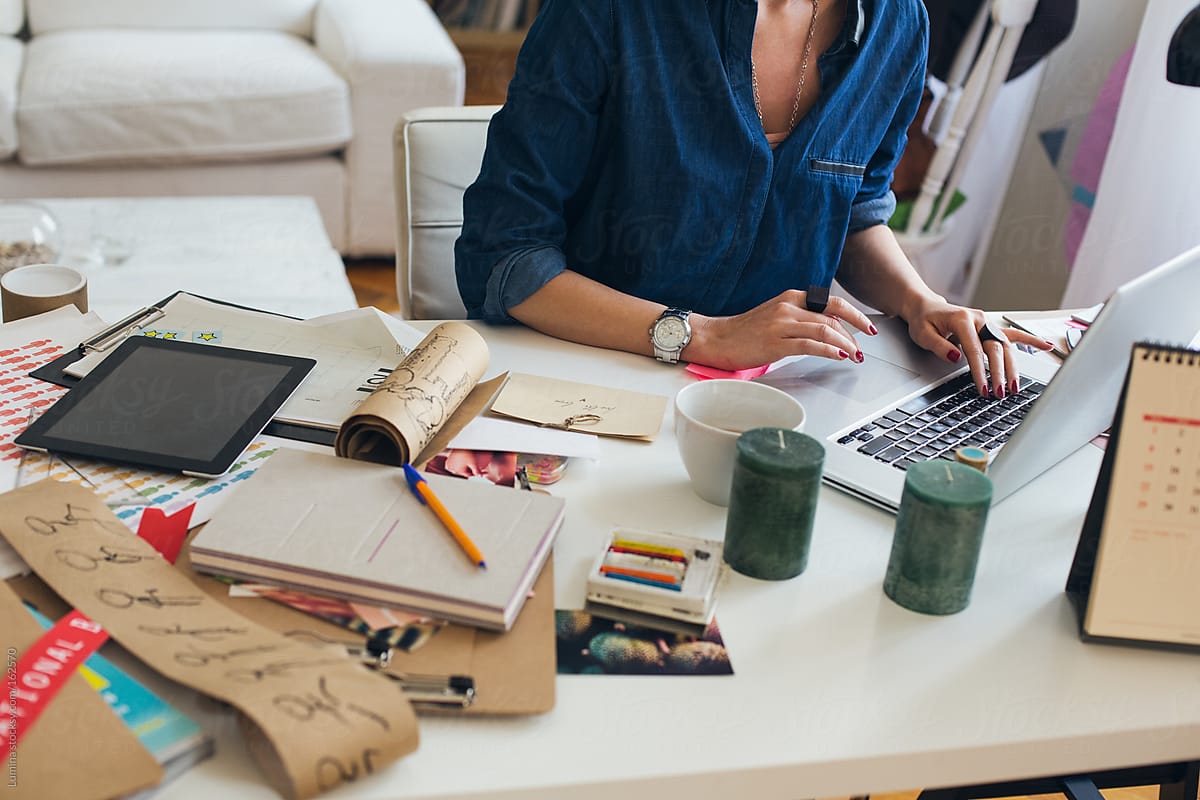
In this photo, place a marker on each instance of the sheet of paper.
(568, 405)
(506, 436)
(355, 350)
(708, 373)
(128, 490)
(26, 345)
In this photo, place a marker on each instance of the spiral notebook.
(1136, 573)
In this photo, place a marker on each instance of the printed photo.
(591, 645)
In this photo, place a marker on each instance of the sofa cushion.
(12, 16)
(291, 16)
(10, 72)
(176, 96)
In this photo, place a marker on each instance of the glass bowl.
(28, 235)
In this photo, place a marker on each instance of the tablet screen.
(175, 405)
(147, 404)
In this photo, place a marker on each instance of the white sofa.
(220, 97)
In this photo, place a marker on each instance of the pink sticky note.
(705, 373)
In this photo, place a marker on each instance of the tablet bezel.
(35, 437)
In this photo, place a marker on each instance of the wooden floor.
(374, 283)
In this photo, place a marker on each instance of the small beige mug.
(38, 288)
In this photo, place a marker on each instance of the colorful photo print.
(498, 467)
(592, 645)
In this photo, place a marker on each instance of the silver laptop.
(905, 405)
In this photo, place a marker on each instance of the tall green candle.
(939, 531)
(772, 502)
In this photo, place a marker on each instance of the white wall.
(1025, 264)
(1148, 203)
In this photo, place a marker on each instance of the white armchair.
(224, 97)
(438, 153)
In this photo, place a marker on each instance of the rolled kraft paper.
(315, 718)
(399, 418)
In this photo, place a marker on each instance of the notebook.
(862, 411)
(353, 530)
(1136, 574)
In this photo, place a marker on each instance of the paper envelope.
(513, 672)
(78, 747)
(572, 406)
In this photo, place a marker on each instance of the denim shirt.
(629, 150)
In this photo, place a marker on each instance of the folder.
(78, 747)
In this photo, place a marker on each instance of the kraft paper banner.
(314, 718)
(402, 416)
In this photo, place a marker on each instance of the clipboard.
(55, 371)
(513, 672)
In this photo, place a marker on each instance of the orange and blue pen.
(423, 493)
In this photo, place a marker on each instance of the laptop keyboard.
(939, 422)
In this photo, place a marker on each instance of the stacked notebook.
(353, 530)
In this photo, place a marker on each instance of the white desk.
(265, 252)
(837, 690)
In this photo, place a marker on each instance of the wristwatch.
(670, 333)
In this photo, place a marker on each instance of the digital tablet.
(178, 406)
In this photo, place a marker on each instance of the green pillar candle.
(939, 530)
(772, 502)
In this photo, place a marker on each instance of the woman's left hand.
(951, 331)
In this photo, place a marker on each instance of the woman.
(696, 170)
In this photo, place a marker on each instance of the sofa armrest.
(396, 56)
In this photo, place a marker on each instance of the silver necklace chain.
(808, 41)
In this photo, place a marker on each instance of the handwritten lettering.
(193, 657)
(306, 707)
(332, 772)
(276, 668)
(88, 563)
(119, 598)
(73, 518)
(203, 634)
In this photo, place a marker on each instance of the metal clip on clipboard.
(442, 691)
(114, 334)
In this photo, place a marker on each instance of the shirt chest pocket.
(838, 168)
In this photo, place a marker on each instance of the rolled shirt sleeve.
(875, 202)
(538, 148)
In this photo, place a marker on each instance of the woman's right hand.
(782, 326)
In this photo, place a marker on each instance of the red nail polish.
(999, 392)
(1049, 345)
(843, 354)
(953, 355)
(859, 357)
(872, 330)
(1015, 387)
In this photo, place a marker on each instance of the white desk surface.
(837, 690)
(270, 253)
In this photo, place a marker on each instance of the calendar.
(1136, 574)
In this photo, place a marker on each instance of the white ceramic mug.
(38, 288)
(709, 418)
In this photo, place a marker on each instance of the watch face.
(670, 333)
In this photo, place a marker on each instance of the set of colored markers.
(644, 563)
(657, 573)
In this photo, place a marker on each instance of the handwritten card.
(581, 407)
(316, 718)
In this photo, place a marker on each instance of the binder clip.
(375, 652)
